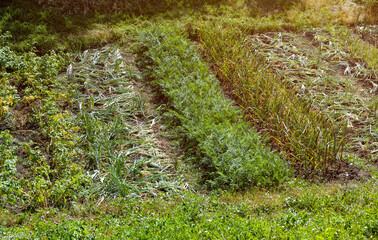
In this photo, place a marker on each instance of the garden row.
(310, 138)
(231, 154)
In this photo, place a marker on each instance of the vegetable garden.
(188, 119)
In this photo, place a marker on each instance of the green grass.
(300, 212)
(42, 29)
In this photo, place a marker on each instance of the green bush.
(232, 154)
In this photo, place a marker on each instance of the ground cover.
(334, 211)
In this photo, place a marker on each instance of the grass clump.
(232, 154)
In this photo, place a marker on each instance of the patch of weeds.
(87, 127)
(34, 100)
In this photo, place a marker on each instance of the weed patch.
(82, 154)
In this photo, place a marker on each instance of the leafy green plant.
(29, 83)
